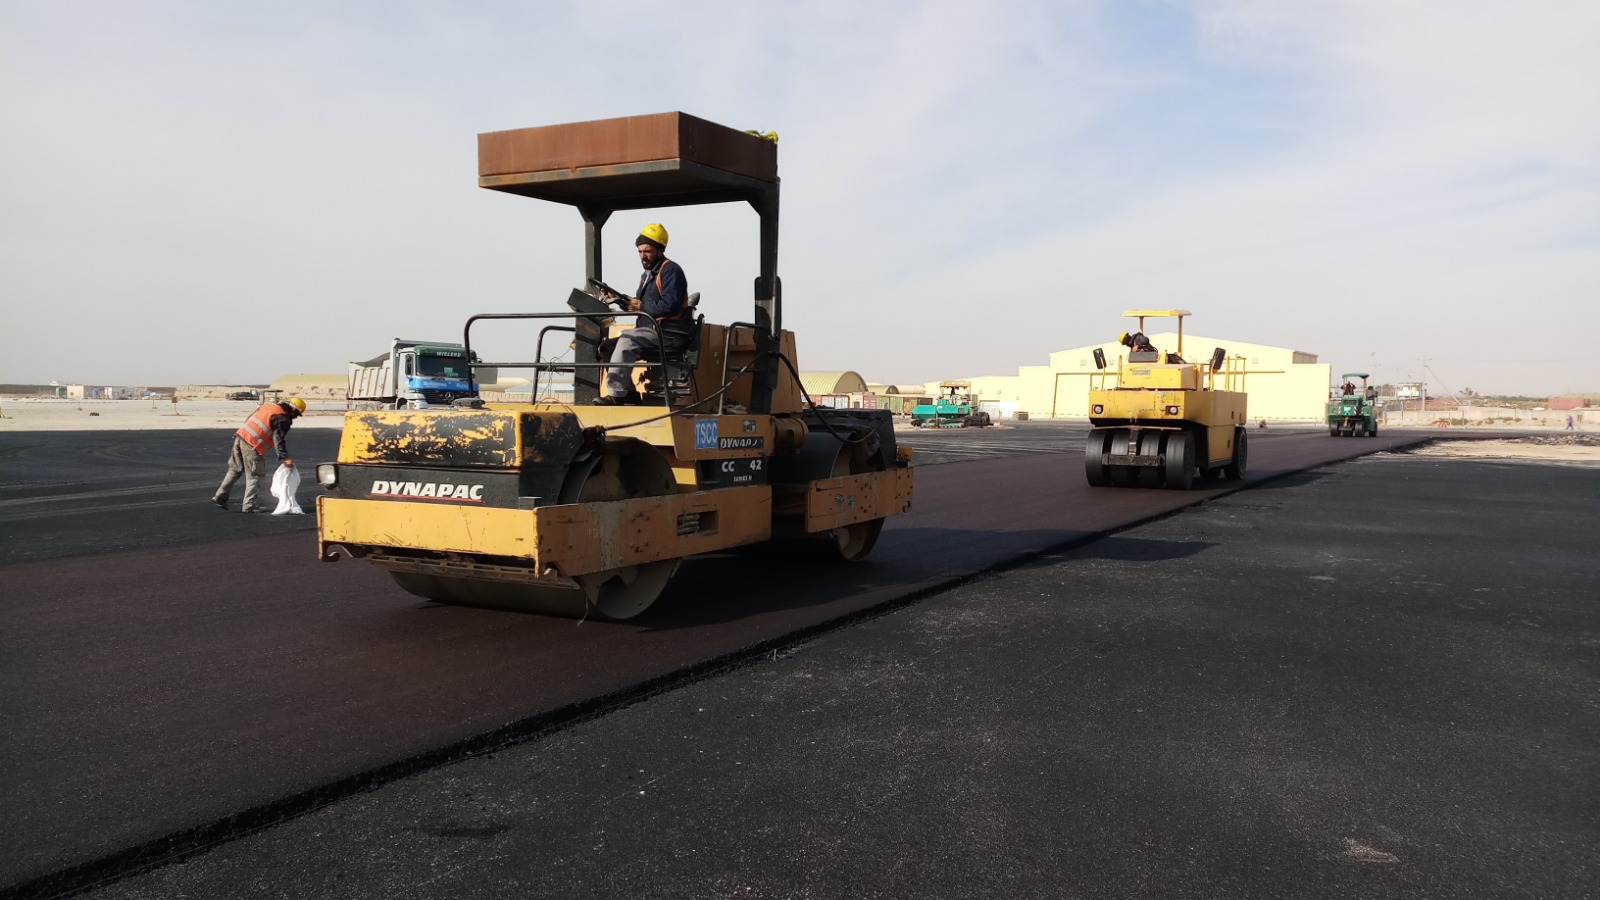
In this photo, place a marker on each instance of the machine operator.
(1136, 342)
(663, 293)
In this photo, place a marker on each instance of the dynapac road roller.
(586, 510)
(1166, 420)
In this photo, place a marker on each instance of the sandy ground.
(1566, 447)
(140, 415)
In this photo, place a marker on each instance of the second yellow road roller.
(1165, 420)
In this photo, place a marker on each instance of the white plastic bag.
(285, 482)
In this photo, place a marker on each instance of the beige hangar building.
(1283, 384)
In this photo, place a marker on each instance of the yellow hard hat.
(655, 232)
(1123, 339)
(298, 404)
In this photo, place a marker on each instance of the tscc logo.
(429, 490)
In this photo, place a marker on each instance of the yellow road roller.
(1165, 420)
(563, 506)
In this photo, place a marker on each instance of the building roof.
(833, 383)
(1196, 348)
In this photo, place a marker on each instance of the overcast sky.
(227, 192)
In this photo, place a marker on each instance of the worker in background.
(266, 429)
(1348, 387)
(663, 293)
(1136, 342)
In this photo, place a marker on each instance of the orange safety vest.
(682, 310)
(257, 430)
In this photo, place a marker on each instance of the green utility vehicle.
(1353, 411)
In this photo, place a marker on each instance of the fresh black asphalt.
(65, 494)
(1374, 679)
(73, 493)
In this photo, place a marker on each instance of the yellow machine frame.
(1166, 419)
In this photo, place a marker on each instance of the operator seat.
(678, 365)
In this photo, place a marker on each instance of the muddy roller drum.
(852, 451)
(627, 470)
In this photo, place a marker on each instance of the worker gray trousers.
(619, 375)
(244, 460)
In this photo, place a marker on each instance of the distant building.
(1283, 384)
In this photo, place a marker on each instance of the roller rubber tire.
(1235, 469)
(1093, 469)
(1149, 445)
(1178, 473)
(1121, 476)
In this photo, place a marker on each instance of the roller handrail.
(538, 361)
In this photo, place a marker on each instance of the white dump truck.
(414, 375)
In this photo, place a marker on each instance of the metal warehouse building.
(1283, 384)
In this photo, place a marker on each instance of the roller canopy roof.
(636, 162)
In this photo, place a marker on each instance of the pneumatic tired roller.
(586, 508)
(1165, 420)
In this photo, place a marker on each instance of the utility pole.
(1423, 416)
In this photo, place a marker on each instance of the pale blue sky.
(227, 192)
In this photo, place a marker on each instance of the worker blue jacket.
(664, 294)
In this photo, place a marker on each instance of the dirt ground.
(146, 415)
(1574, 447)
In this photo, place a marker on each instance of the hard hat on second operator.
(298, 404)
(655, 233)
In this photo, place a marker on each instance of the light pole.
(1422, 417)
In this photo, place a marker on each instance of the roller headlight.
(1172, 410)
(327, 475)
(1098, 409)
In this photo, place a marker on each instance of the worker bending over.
(1136, 342)
(266, 429)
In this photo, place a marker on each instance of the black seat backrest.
(693, 347)
(686, 358)
(694, 335)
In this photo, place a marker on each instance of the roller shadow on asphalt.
(726, 587)
(1255, 482)
(1115, 548)
(763, 579)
